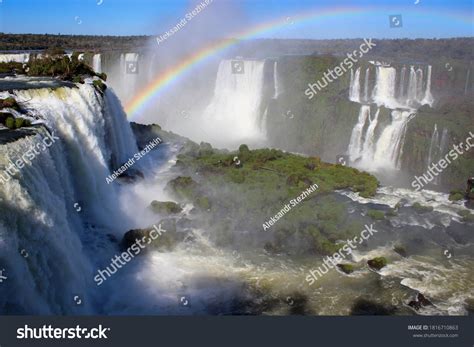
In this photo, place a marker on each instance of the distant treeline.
(22, 42)
(397, 49)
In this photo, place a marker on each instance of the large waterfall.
(44, 206)
(394, 91)
(234, 113)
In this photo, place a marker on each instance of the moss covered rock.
(419, 208)
(165, 207)
(346, 268)
(376, 214)
(377, 263)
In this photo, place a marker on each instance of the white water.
(388, 147)
(366, 85)
(233, 114)
(433, 145)
(276, 81)
(18, 58)
(97, 63)
(428, 98)
(45, 205)
(367, 152)
(384, 90)
(354, 90)
(355, 145)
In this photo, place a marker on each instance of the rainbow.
(167, 78)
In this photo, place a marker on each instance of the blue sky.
(426, 18)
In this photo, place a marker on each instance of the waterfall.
(412, 86)
(384, 90)
(17, 58)
(419, 85)
(366, 85)
(97, 63)
(355, 144)
(402, 97)
(437, 149)
(234, 111)
(354, 89)
(44, 204)
(388, 147)
(433, 145)
(276, 81)
(368, 148)
(401, 89)
(428, 98)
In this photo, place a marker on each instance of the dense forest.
(399, 49)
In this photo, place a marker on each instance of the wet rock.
(346, 268)
(165, 207)
(419, 302)
(365, 307)
(400, 250)
(377, 263)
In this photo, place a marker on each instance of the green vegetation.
(376, 214)
(55, 64)
(165, 207)
(346, 268)
(248, 187)
(419, 208)
(99, 85)
(16, 123)
(467, 216)
(456, 195)
(377, 263)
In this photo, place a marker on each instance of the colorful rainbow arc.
(168, 77)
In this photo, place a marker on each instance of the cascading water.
(366, 85)
(97, 63)
(402, 99)
(433, 145)
(354, 90)
(276, 81)
(428, 98)
(44, 205)
(355, 145)
(384, 90)
(233, 114)
(17, 58)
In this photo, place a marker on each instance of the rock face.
(165, 207)
(470, 188)
(419, 302)
(364, 307)
(377, 263)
